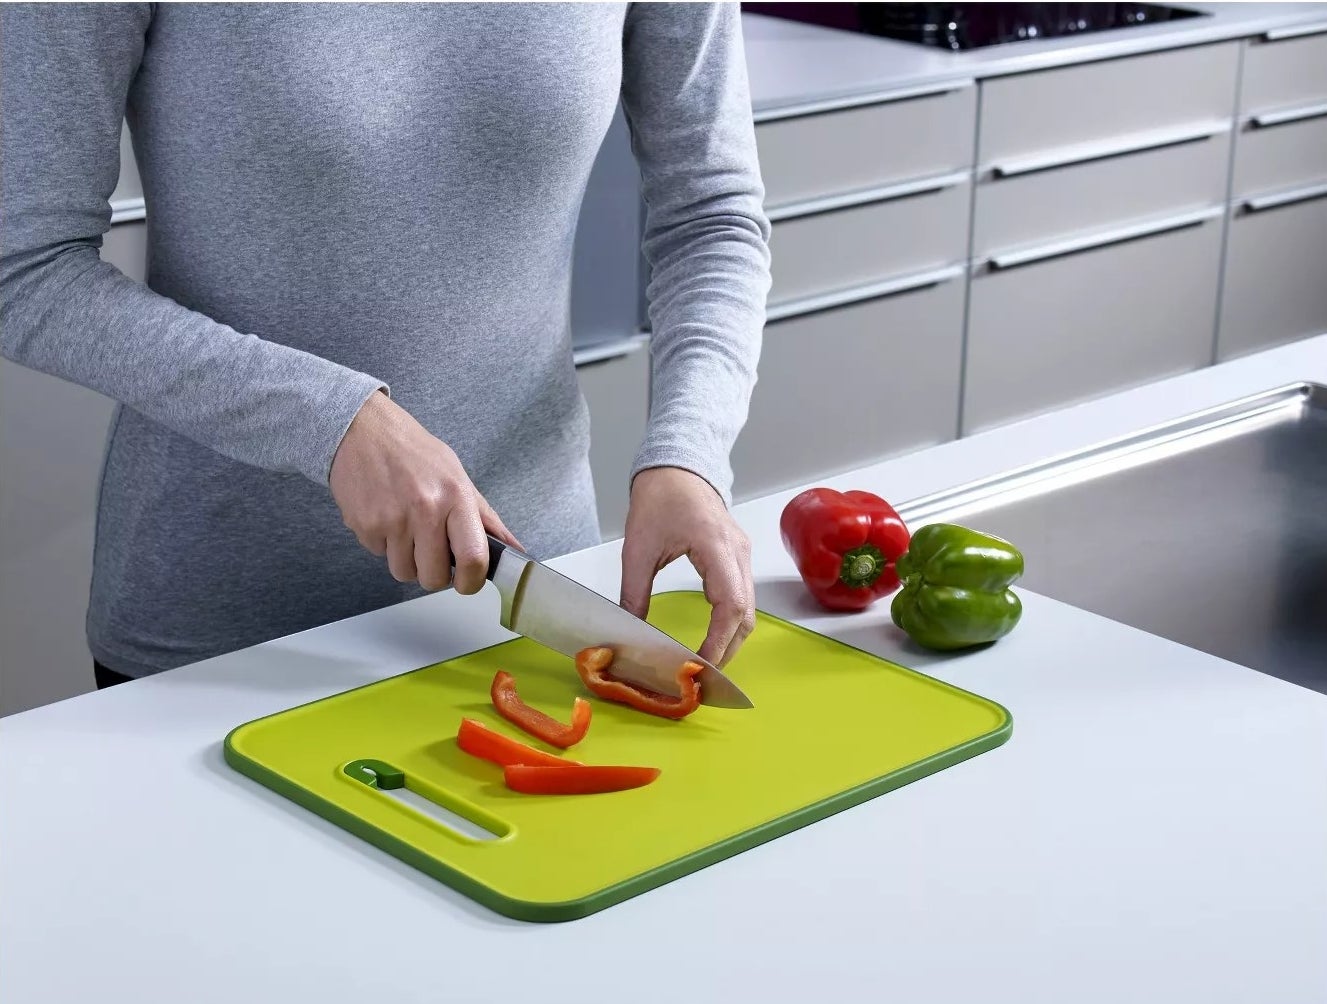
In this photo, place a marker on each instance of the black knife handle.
(495, 549)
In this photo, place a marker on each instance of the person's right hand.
(404, 493)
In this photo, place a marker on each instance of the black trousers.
(107, 677)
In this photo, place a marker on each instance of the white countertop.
(1154, 830)
(792, 64)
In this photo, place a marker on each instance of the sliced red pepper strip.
(510, 706)
(593, 666)
(481, 741)
(578, 780)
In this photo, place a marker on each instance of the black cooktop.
(962, 26)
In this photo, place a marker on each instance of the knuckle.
(733, 604)
(471, 557)
(423, 500)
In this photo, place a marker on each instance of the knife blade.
(561, 614)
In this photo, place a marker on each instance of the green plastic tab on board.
(376, 774)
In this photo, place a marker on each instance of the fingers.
(469, 546)
(724, 564)
(433, 557)
(640, 564)
(401, 556)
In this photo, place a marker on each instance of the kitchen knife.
(560, 613)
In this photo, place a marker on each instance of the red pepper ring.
(845, 545)
(510, 706)
(593, 664)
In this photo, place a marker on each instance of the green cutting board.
(832, 727)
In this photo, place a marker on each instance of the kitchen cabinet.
(809, 152)
(1275, 287)
(1019, 208)
(1285, 69)
(868, 244)
(1068, 322)
(617, 393)
(1282, 151)
(1091, 108)
(52, 434)
(904, 232)
(1097, 229)
(853, 384)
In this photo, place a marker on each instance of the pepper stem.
(862, 566)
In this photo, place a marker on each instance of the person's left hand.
(674, 512)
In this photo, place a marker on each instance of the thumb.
(639, 565)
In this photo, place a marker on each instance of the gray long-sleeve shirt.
(345, 197)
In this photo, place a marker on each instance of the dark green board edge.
(703, 858)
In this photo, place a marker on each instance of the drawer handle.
(873, 291)
(602, 352)
(1298, 31)
(1289, 115)
(1137, 143)
(1013, 259)
(128, 210)
(861, 100)
(1258, 203)
(865, 196)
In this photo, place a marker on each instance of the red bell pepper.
(593, 665)
(481, 741)
(579, 780)
(510, 706)
(845, 545)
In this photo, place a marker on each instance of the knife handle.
(495, 549)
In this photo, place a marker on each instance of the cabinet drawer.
(1274, 290)
(847, 387)
(1281, 155)
(1106, 102)
(1067, 329)
(849, 247)
(1281, 73)
(1025, 209)
(851, 149)
(615, 391)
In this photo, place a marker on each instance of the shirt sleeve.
(706, 240)
(65, 75)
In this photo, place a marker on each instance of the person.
(351, 356)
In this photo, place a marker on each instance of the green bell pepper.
(956, 587)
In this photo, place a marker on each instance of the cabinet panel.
(860, 244)
(1276, 281)
(617, 392)
(832, 152)
(1086, 324)
(129, 186)
(847, 387)
(1055, 109)
(1281, 156)
(1029, 208)
(1284, 73)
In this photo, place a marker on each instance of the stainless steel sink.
(1210, 531)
